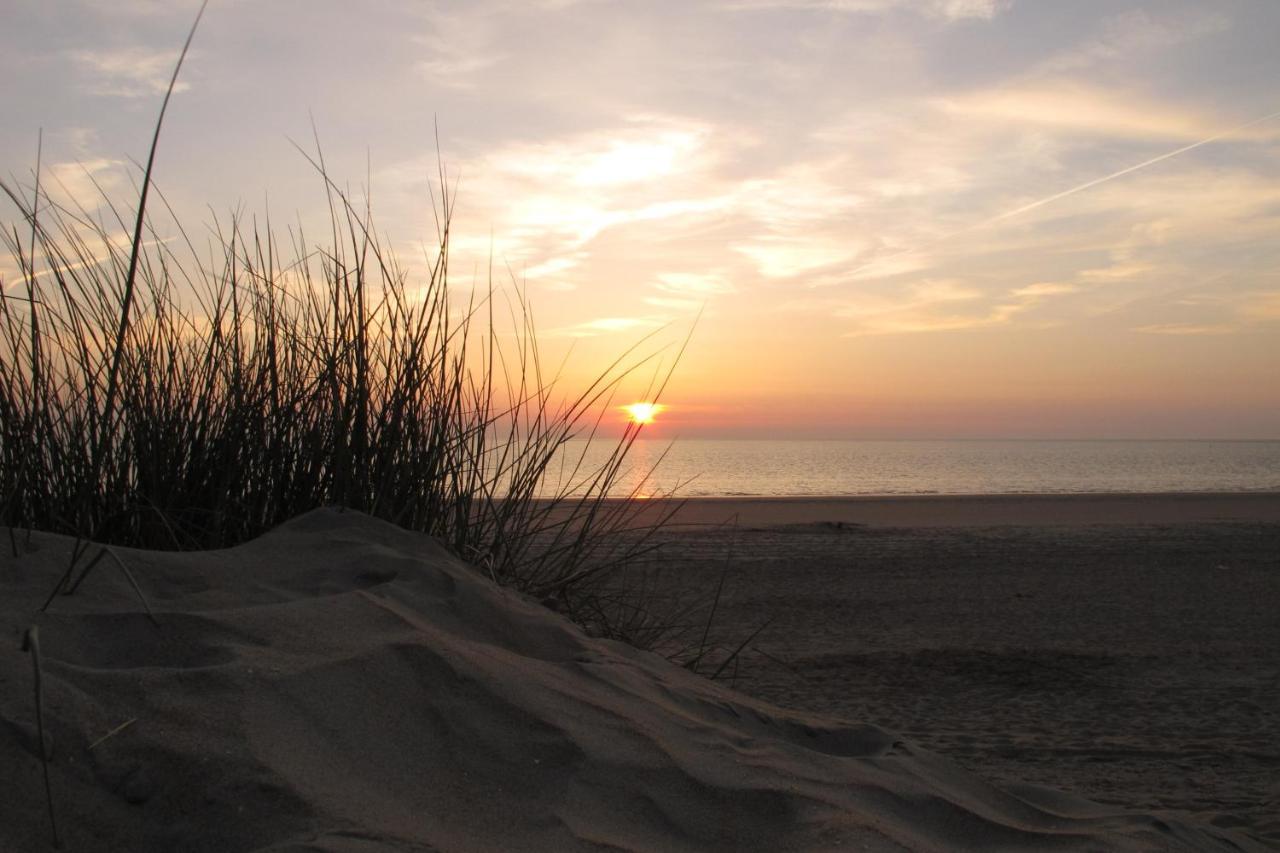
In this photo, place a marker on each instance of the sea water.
(700, 467)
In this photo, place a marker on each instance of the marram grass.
(271, 379)
(153, 399)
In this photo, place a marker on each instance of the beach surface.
(917, 511)
(1125, 648)
(340, 684)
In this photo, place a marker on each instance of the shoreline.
(980, 510)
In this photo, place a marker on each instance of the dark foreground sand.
(341, 685)
(1123, 647)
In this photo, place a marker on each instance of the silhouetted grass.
(152, 399)
(197, 404)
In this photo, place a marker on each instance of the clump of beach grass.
(152, 399)
(243, 390)
(158, 396)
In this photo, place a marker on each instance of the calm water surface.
(809, 468)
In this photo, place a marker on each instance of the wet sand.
(1122, 647)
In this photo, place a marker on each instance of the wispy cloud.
(686, 291)
(1080, 108)
(606, 326)
(83, 183)
(1220, 312)
(649, 150)
(545, 201)
(1262, 307)
(693, 284)
(776, 256)
(1042, 289)
(953, 10)
(129, 72)
(945, 306)
(923, 307)
(877, 196)
(139, 8)
(839, 219)
(457, 47)
(1104, 193)
(1134, 33)
(1187, 329)
(552, 268)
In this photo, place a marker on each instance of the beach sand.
(926, 511)
(343, 685)
(1122, 647)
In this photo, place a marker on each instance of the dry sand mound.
(343, 685)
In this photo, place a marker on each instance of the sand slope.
(343, 685)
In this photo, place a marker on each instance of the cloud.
(787, 257)
(1120, 271)
(1080, 108)
(129, 72)
(606, 326)
(140, 8)
(1262, 307)
(84, 183)
(1012, 188)
(551, 268)
(889, 266)
(547, 201)
(685, 292)
(924, 307)
(1189, 207)
(457, 48)
(603, 160)
(944, 305)
(1043, 289)
(1186, 329)
(799, 195)
(793, 218)
(451, 67)
(105, 249)
(674, 303)
(951, 10)
(918, 322)
(959, 9)
(1214, 307)
(1135, 32)
(693, 284)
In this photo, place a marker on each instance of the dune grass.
(154, 400)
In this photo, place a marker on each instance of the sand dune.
(342, 685)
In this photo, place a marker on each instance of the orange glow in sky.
(643, 413)
(886, 219)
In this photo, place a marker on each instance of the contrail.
(1080, 188)
(1144, 164)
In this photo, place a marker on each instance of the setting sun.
(643, 413)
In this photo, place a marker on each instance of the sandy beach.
(1123, 647)
(922, 511)
(342, 685)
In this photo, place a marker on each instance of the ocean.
(710, 468)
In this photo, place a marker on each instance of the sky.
(870, 218)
